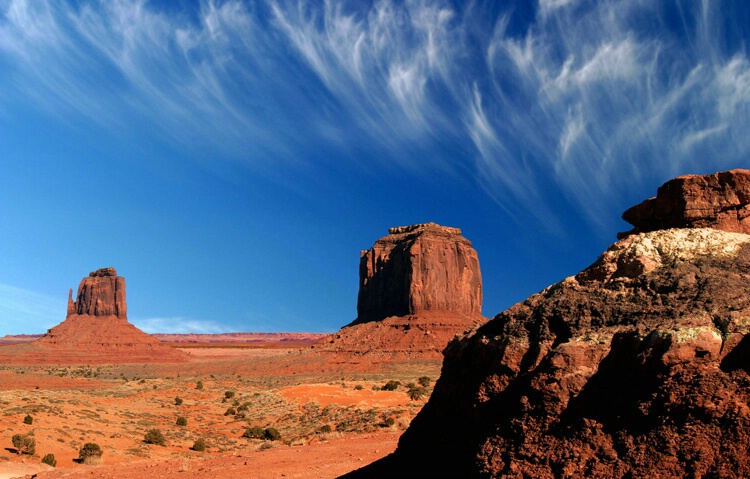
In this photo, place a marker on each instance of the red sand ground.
(114, 406)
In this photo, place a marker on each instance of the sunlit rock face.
(636, 367)
(720, 201)
(416, 269)
(101, 293)
(419, 286)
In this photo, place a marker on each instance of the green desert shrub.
(177, 401)
(391, 386)
(254, 432)
(230, 412)
(324, 429)
(24, 443)
(154, 436)
(424, 381)
(417, 393)
(199, 445)
(271, 434)
(28, 419)
(199, 385)
(181, 421)
(90, 453)
(50, 460)
(229, 394)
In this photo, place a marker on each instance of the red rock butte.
(419, 286)
(636, 367)
(95, 331)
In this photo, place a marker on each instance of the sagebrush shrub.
(154, 436)
(177, 401)
(391, 386)
(90, 453)
(254, 432)
(28, 419)
(271, 434)
(181, 421)
(199, 385)
(24, 443)
(199, 445)
(50, 460)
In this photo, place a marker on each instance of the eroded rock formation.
(720, 201)
(416, 269)
(637, 367)
(95, 331)
(418, 287)
(102, 293)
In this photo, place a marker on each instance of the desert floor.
(332, 415)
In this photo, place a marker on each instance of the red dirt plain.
(301, 394)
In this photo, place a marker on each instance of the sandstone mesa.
(419, 286)
(638, 366)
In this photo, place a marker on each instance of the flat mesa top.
(103, 272)
(423, 227)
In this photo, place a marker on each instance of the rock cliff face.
(102, 293)
(637, 367)
(418, 287)
(419, 268)
(95, 331)
(720, 201)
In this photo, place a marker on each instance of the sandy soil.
(330, 423)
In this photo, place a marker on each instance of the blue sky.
(232, 158)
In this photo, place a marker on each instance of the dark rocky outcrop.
(637, 367)
(720, 201)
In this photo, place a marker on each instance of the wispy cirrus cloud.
(579, 97)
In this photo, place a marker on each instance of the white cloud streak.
(581, 97)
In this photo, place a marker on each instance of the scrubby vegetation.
(177, 401)
(391, 385)
(199, 385)
(181, 421)
(24, 443)
(90, 453)
(199, 445)
(50, 460)
(28, 419)
(424, 381)
(154, 436)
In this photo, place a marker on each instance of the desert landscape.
(238, 404)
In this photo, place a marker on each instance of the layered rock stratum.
(95, 331)
(720, 201)
(636, 367)
(419, 286)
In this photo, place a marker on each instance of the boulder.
(720, 201)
